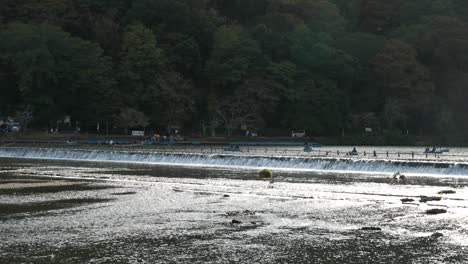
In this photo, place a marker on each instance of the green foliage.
(148, 82)
(265, 174)
(397, 138)
(322, 108)
(235, 56)
(55, 73)
(321, 65)
(184, 53)
(315, 52)
(129, 117)
(141, 63)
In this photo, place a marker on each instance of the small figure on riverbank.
(399, 176)
(353, 152)
(307, 147)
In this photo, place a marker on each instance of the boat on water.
(233, 149)
(436, 150)
(353, 152)
(71, 143)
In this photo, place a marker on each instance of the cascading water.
(253, 161)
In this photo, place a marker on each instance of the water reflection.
(166, 214)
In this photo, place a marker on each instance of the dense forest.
(331, 67)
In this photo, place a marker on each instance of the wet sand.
(65, 212)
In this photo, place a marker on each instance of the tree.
(141, 66)
(184, 53)
(315, 52)
(394, 114)
(55, 73)
(403, 77)
(7, 10)
(321, 16)
(175, 16)
(378, 16)
(249, 105)
(131, 118)
(11, 95)
(411, 12)
(147, 81)
(241, 10)
(176, 103)
(272, 31)
(318, 106)
(235, 56)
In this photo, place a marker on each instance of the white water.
(233, 160)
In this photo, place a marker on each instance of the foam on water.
(252, 161)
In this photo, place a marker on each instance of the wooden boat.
(436, 151)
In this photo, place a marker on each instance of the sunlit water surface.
(171, 214)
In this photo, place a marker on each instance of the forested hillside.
(328, 66)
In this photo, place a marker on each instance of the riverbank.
(166, 214)
(390, 139)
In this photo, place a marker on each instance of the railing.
(297, 152)
(323, 152)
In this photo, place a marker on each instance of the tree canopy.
(326, 66)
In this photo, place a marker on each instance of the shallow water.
(134, 213)
(276, 158)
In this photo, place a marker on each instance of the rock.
(248, 212)
(124, 193)
(425, 199)
(234, 221)
(240, 213)
(436, 211)
(226, 195)
(407, 200)
(371, 228)
(437, 235)
(447, 192)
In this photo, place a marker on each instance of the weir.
(249, 161)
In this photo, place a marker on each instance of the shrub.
(265, 174)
